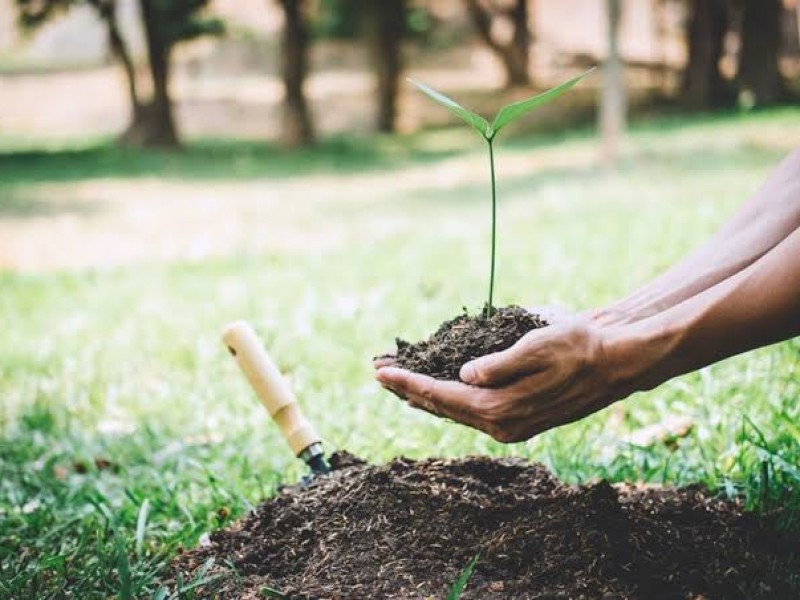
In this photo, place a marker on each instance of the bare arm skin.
(564, 372)
(758, 306)
(758, 226)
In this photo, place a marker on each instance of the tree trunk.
(155, 126)
(759, 76)
(790, 33)
(790, 47)
(386, 27)
(119, 49)
(107, 11)
(519, 48)
(298, 129)
(513, 54)
(703, 87)
(797, 19)
(613, 101)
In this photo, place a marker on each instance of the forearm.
(759, 225)
(758, 306)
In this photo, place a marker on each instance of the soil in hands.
(464, 338)
(408, 529)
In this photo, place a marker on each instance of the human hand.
(387, 360)
(551, 313)
(552, 376)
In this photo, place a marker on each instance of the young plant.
(463, 579)
(507, 114)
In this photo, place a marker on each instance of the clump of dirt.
(465, 338)
(407, 530)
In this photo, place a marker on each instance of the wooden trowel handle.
(270, 386)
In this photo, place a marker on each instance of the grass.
(126, 431)
(211, 160)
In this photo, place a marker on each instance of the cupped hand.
(551, 313)
(550, 377)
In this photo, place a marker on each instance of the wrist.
(640, 355)
(626, 311)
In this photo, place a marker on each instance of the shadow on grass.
(658, 164)
(226, 160)
(250, 161)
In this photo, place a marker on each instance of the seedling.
(463, 579)
(506, 115)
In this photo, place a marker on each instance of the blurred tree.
(703, 86)
(298, 129)
(613, 100)
(343, 19)
(759, 76)
(385, 22)
(107, 9)
(790, 26)
(166, 22)
(489, 16)
(33, 13)
(337, 19)
(384, 25)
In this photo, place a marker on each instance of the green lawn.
(126, 430)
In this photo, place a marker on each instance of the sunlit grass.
(125, 424)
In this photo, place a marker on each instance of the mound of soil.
(464, 338)
(408, 529)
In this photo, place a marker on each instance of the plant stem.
(494, 230)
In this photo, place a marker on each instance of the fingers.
(495, 412)
(500, 367)
(449, 399)
(387, 360)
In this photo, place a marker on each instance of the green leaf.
(141, 526)
(161, 594)
(463, 579)
(480, 124)
(124, 568)
(200, 578)
(513, 111)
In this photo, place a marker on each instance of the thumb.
(499, 367)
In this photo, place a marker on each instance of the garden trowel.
(276, 395)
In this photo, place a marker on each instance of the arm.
(758, 306)
(564, 372)
(757, 227)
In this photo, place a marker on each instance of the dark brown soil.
(408, 529)
(464, 338)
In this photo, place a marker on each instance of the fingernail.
(467, 373)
